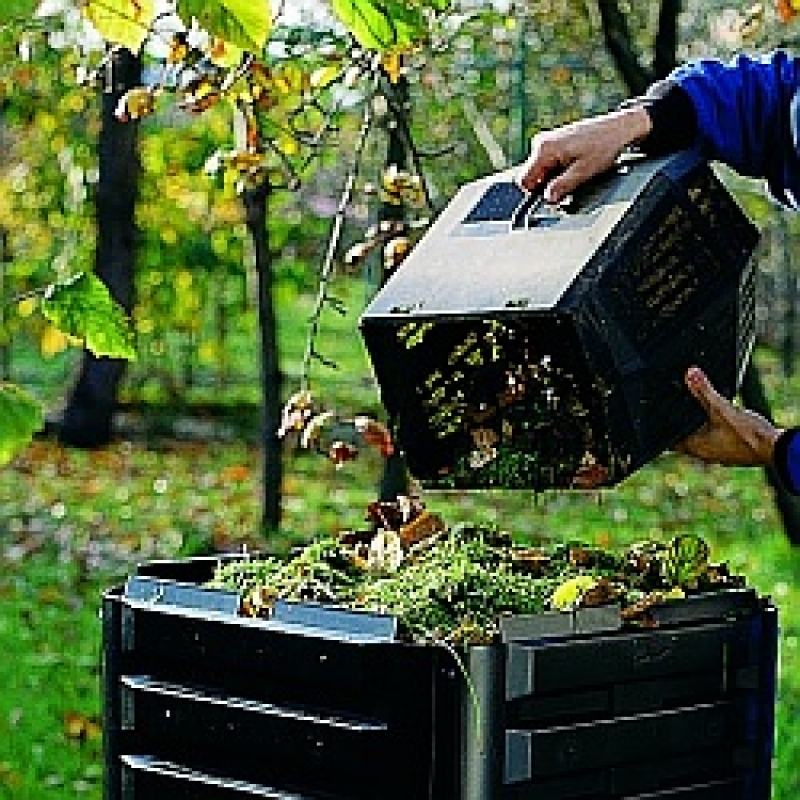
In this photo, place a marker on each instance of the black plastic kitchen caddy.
(524, 345)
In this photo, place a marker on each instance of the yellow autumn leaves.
(240, 24)
(122, 22)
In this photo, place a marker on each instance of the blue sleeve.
(793, 463)
(747, 116)
(787, 459)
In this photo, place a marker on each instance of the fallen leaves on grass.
(81, 728)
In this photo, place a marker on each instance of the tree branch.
(665, 46)
(620, 45)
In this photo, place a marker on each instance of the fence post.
(518, 117)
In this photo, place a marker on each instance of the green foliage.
(379, 25)
(17, 10)
(20, 417)
(244, 23)
(83, 308)
(122, 22)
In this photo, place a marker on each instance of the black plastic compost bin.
(201, 703)
(522, 345)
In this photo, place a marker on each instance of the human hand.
(732, 436)
(566, 157)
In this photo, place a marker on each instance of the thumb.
(563, 184)
(700, 387)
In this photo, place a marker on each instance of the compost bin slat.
(545, 752)
(566, 665)
(630, 780)
(156, 778)
(256, 742)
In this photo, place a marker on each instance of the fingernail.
(694, 376)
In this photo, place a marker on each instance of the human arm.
(743, 113)
(660, 122)
(747, 116)
(735, 436)
(566, 157)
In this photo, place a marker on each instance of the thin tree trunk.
(87, 419)
(394, 480)
(256, 202)
(665, 47)
(620, 45)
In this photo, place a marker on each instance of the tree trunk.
(256, 204)
(395, 480)
(619, 44)
(87, 419)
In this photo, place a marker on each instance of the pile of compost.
(455, 583)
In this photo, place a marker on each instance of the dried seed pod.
(341, 452)
(395, 251)
(297, 412)
(374, 433)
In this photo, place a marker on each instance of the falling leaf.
(341, 452)
(788, 9)
(135, 104)
(313, 430)
(392, 64)
(53, 341)
(395, 251)
(299, 409)
(375, 433)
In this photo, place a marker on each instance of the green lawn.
(74, 523)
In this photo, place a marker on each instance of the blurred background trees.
(467, 103)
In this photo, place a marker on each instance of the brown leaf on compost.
(534, 561)
(422, 527)
(355, 538)
(602, 593)
(639, 611)
(393, 514)
(582, 556)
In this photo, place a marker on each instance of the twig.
(336, 231)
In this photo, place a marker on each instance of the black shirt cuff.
(673, 117)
